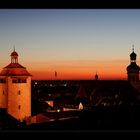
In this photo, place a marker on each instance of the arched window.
(19, 92)
(19, 107)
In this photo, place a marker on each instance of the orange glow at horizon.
(77, 76)
(111, 71)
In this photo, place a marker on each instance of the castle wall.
(3, 95)
(19, 99)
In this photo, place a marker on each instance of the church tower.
(15, 89)
(133, 69)
(96, 76)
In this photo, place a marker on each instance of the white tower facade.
(15, 89)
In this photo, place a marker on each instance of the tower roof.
(14, 65)
(14, 53)
(133, 67)
(133, 55)
(14, 71)
(14, 68)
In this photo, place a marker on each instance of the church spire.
(133, 69)
(133, 56)
(133, 47)
(14, 48)
(96, 76)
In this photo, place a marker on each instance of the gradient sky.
(76, 43)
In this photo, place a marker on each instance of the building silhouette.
(15, 89)
(133, 69)
(57, 95)
(96, 76)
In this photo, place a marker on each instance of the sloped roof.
(133, 67)
(40, 118)
(14, 53)
(14, 69)
(113, 90)
(81, 92)
(14, 65)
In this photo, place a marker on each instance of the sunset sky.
(76, 43)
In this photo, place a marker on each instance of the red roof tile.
(14, 69)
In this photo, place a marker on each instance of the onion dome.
(133, 56)
(133, 67)
(14, 53)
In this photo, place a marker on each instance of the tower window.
(19, 80)
(19, 92)
(3, 92)
(14, 81)
(23, 80)
(19, 107)
(2, 80)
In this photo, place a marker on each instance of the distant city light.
(80, 106)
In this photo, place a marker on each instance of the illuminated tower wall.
(19, 97)
(3, 92)
(15, 91)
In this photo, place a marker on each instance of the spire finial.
(133, 47)
(14, 48)
(96, 76)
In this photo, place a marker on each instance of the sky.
(76, 43)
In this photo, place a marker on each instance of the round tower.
(17, 88)
(3, 92)
(133, 69)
